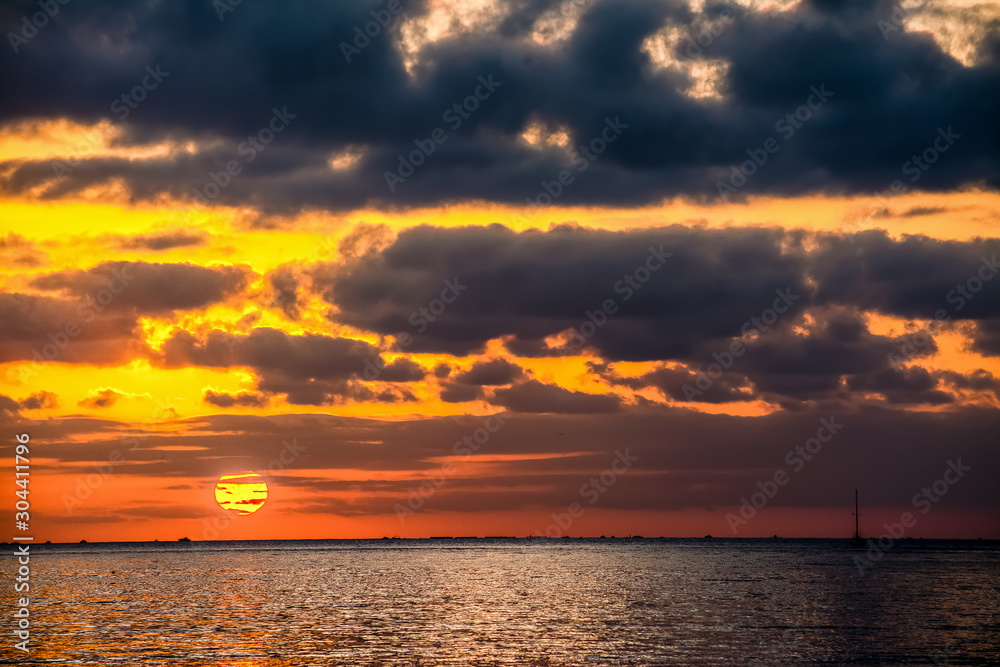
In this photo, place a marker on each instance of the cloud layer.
(882, 101)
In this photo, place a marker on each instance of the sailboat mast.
(856, 541)
(856, 515)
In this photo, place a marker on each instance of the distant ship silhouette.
(856, 541)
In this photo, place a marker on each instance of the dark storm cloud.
(9, 409)
(43, 328)
(810, 367)
(452, 392)
(285, 285)
(913, 277)
(717, 285)
(535, 396)
(904, 386)
(684, 385)
(492, 372)
(310, 391)
(757, 285)
(783, 364)
(525, 287)
(536, 284)
(146, 287)
(978, 380)
(311, 369)
(402, 370)
(305, 356)
(224, 79)
(987, 340)
(224, 399)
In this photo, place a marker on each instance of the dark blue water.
(511, 602)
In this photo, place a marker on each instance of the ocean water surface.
(512, 602)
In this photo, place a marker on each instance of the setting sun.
(243, 492)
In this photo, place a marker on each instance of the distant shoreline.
(388, 540)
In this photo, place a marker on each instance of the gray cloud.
(491, 372)
(39, 400)
(890, 96)
(534, 396)
(224, 399)
(163, 241)
(147, 287)
(44, 328)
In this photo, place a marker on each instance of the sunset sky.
(433, 267)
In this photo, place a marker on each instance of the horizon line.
(512, 537)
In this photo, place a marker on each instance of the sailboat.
(856, 541)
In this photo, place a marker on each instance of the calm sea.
(510, 602)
